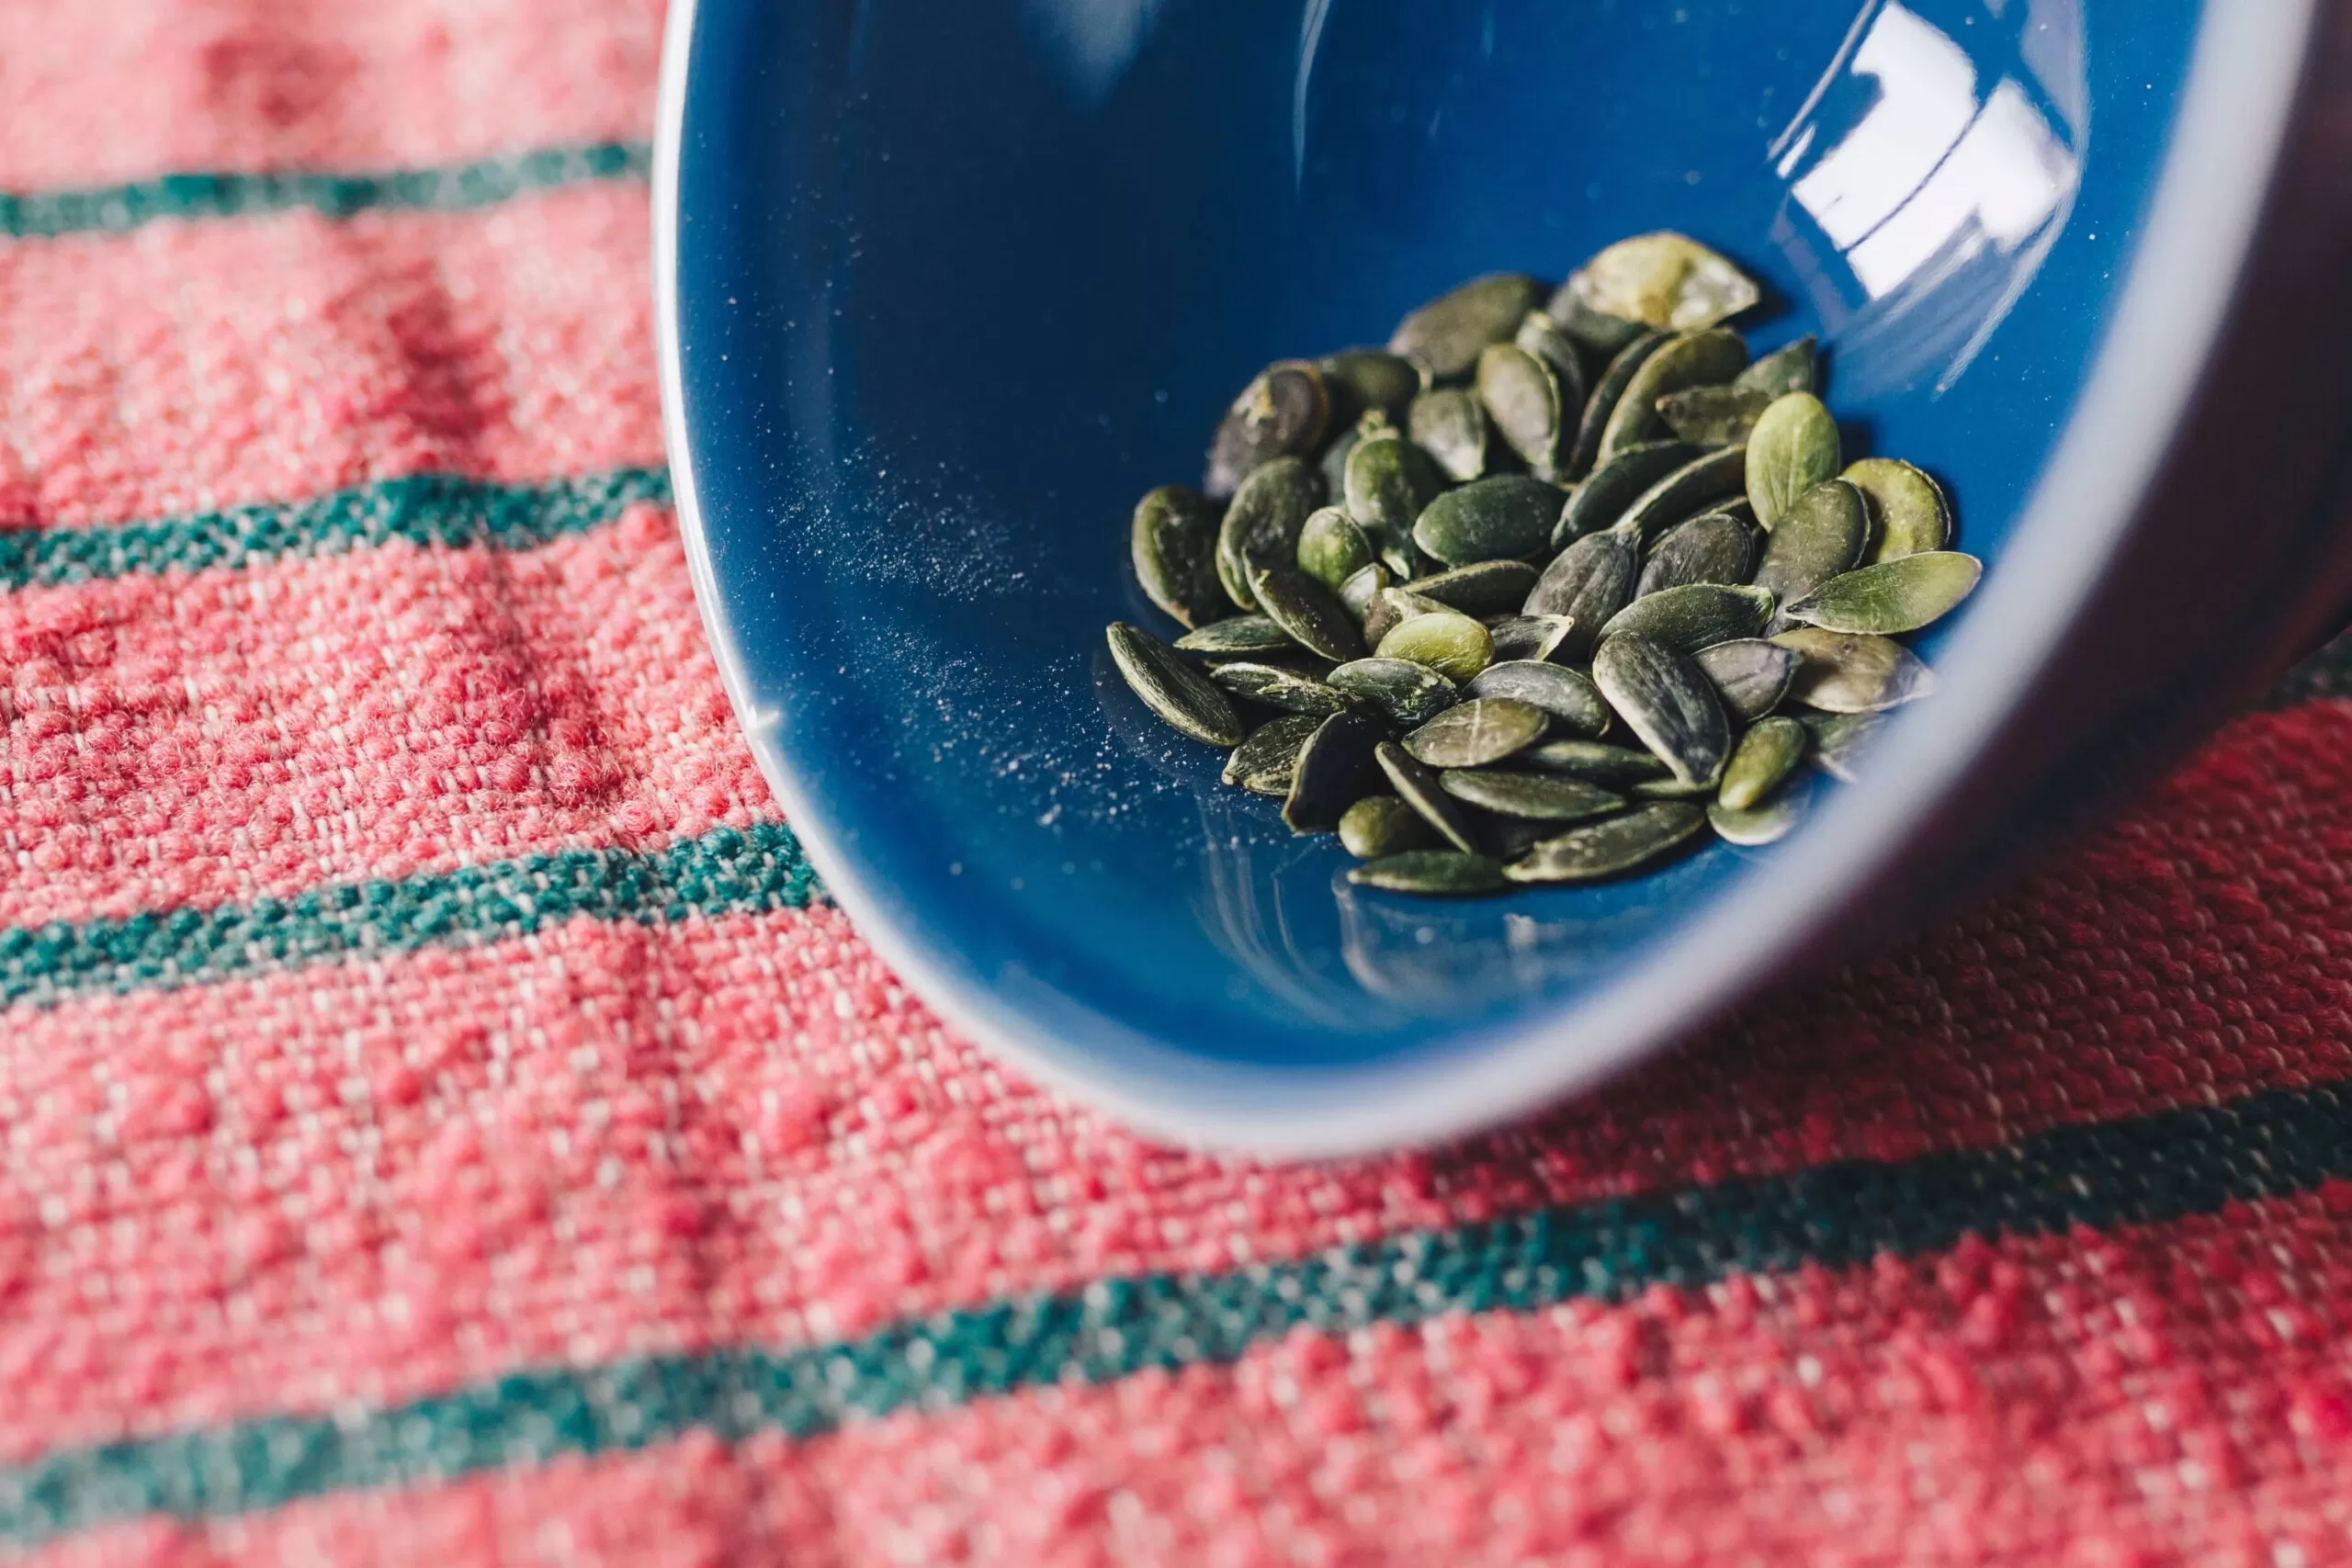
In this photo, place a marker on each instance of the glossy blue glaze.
(956, 283)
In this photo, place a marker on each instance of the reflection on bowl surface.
(956, 284)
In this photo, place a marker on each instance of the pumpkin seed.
(1523, 401)
(1750, 675)
(1714, 416)
(1420, 788)
(1611, 846)
(1672, 788)
(1716, 548)
(1310, 613)
(1696, 615)
(1391, 607)
(1270, 685)
(1893, 596)
(1472, 734)
(1704, 484)
(1405, 693)
(1588, 582)
(1382, 824)
(1910, 510)
(1437, 873)
(1854, 671)
(1604, 498)
(1664, 280)
(1755, 826)
(1261, 527)
(1598, 335)
(1369, 378)
(1448, 424)
(1840, 739)
(1571, 698)
(1172, 688)
(1333, 464)
(1488, 587)
(1332, 549)
(1541, 797)
(1703, 359)
(1822, 534)
(1173, 541)
(1334, 771)
(1356, 593)
(1614, 766)
(1663, 698)
(1447, 334)
(1389, 481)
(1541, 336)
(1793, 368)
(1271, 749)
(1765, 756)
(1237, 636)
(1509, 837)
(1793, 448)
(1281, 414)
(1506, 517)
(1584, 452)
(1537, 637)
(1446, 640)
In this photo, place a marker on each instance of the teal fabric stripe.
(2148, 1169)
(452, 187)
(423, 509)
(725, 872)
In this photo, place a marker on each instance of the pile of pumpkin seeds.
(1547, 589)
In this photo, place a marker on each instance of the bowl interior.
(955, 283)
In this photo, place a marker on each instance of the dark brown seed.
(1522, 397)
(1611, 846)
(1717, 548)
(1696, 615)
(1448, 424)
(1617, 767)
(1545, 797)
(1750, 675)
(1334, 771)
(1310, 613)
(1853, 671)
(1589, 583)
(1420, 788)
(1793, 368)
(1389, 481)
(1602, 501)
(1473, 734)
(1541, 336)
(1174, 543)
(1765, 756)
(1365, 379)
(1820, 537)
(1270, 685)
(1489, 588)
(1236, 635)
(1704, 484)
(1757, 826)
(1539, 637)
(1381, 825)
(1584, 452)
(1447, 334)
(1663, 698)
(1440, 873)
(1703, 358)
(1172, 688)
(1714, 416)
(1271, 749)
(1405, 693)
(1281, 414)
(1839, 740)
(1571, 698)
(1507, 517)
(1261, 527)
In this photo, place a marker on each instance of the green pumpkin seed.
(1664, 280)
(1854, 671)
(1893, 596)
(1840, 739)
(1755, 827)
(1616, 767)
(1356, 593)
(1909, 508)
(1536, 637)
(1523, 401)
(1310, 613)
(1391, 607)
(1714, 416)
(1334, 771)
(1792, 449)
(1173, 541)
(1571, 698)
(1604, 498)
(1541, 336)
(1765, 756)
(1332, 549)
(1507, 517)
(1592, 424)
(1261, 527)
(1448, 423)
(1672, 788)
(1446, 640)
(1610, 847)
(1704, 484)
(1333, 464)
(1420, 788)
(1543, 798)
(1488, 587)
(1447, 334)
(1379, 825)
(1793, 368)
(1821, 536)
(1716, 548)
(1172, 688)
(1703, 358)
(1238, 637)
(1389, 481)
(1473, 734)
(1599, 337)
(1433, 873)
(1270, 685)
(1695, 615)
(1272, 751)
(1750, 675)
(1509, 837)
(1589, 583)
(1405, 693)
(1369, 378)
(1663, 698)
(1281, 414)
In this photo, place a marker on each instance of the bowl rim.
(2213, 185)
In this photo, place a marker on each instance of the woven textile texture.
(442, 1121)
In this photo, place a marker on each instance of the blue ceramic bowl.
(945, 288)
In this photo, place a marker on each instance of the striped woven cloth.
(440, 1119)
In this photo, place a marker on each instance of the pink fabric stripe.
(2164, 1395)
(119, 91)
(188, 367)
(232, 735)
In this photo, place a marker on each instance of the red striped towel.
(441, 1122)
